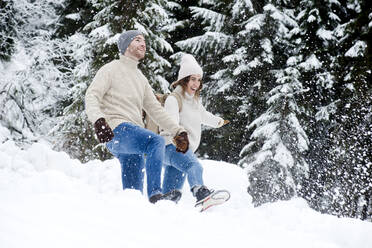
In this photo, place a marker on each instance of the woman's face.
(193, 84)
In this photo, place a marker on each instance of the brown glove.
(103, 130)
(182, 142)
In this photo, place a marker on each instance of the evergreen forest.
(294, 77)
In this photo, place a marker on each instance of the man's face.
(137, 48)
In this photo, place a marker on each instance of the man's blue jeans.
(178, 166)
(132, 170)
(132, 139)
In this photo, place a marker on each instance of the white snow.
(281, 16)
(50, 200)
(354, 5)
(324, 112)
(294, 60)
(357, 50)
(311, 19)
(325, 34)
(311, 63)
(239, 6)
(102, 32)
(74, 16)
(334, 17)
(254, 23)
(283, 156)
(4, 134)
(215, 20)
(198, 44)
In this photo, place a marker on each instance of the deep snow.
(50, 200)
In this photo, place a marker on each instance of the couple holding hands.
(114, 102)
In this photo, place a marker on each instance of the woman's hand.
(223, 123)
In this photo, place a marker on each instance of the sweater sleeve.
(154, 109)
(209, 119)
(95, 92)
(172, 108)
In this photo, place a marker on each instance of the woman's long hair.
(183, 82)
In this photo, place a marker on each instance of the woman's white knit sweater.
(192, 115)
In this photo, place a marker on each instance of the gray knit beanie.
(126, 38)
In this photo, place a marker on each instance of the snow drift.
(50, 200)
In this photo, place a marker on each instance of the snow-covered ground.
(50, 200)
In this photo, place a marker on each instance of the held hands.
(103, 130)
(182, 142)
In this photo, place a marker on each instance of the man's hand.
(182, 142)
(103, 130)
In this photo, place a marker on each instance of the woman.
(191, 114)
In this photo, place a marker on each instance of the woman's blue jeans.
(178, 166)
(132, 139)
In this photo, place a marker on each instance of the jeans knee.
(156, 141)
(159, 140)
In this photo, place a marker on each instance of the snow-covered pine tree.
(274, 157)
(73, 133)
(156, 64)
(31, 83)
(184, 27)
(73, 16)
(317, 48)
(76, 58)
(110, 19)
(350, 149)
(8, 29)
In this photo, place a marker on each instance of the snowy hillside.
(49, 200)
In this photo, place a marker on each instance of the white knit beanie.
(189, 66)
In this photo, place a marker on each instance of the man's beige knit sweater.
(119, 92)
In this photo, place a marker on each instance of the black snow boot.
(174, 195)
(201, 193)
(155, 198)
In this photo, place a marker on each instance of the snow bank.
(50, 200)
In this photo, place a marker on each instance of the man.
(114, 103)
